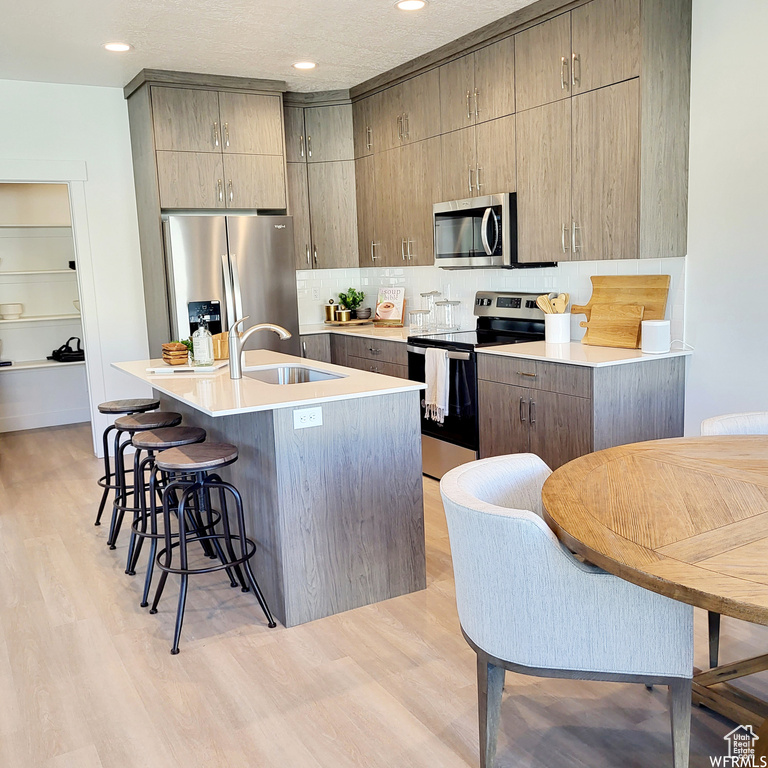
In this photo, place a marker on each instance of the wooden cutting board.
(650, 291)
(614, 325)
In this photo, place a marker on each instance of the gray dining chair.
(528, 605)
(750, 423)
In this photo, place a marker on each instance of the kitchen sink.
(289, 374)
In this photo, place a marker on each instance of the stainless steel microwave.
(479, 232)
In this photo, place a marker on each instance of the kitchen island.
(330, 472)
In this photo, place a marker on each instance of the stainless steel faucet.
(237, 342)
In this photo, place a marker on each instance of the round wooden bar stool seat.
(137, 405)
(167, 437)
(197, 458)
(136, 422)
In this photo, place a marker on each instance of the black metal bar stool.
(118, 407)
(129, 425)
(150, 443)
(196, 461)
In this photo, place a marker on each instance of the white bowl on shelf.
(11, 311)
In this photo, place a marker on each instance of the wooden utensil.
(614, 325)
(648, 290)
(560, 303)
(544, 305)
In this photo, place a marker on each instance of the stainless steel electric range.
(502, 318)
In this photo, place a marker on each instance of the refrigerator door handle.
(228, 293)
(238, 296)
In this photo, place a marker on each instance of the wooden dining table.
(687, 518)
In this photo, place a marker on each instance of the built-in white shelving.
(27, 365)
(41, 272)
(41, 318)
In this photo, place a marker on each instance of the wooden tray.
(349, 322)
(650, 291)
(614, 325)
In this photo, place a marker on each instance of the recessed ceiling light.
(410, 5)
(304, 65)
(118, 47)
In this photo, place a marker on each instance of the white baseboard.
(38, 420)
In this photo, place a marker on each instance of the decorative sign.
(390, 307)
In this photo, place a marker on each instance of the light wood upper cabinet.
(362, 130)
(333, 213)
(605, 43)
(495, 80)
(421, 107)
(421, 189)
(495, 156)
(542, 63)
(298, 207)
(254, 181)
(544, 182)
(457, 84)
(190, 179)
(295, 138)
(386, 116)
(606, 167)
(458, 164)
(186, 119)
(329, 133)
(365, 181)
(251, 123)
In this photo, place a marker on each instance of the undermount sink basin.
(289, 374)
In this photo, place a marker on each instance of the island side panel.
(254, 475)
(352, 510)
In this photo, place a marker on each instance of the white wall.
(51, 122)
(726, 316)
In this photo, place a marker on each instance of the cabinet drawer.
(378, 366)
(536, 374)
(374, 349)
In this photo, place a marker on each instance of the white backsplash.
(461, 285)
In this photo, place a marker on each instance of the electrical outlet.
(315, 294)
(308, 417)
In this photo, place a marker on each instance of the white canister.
(557, 328)
(656, 337)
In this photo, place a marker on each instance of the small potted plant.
(353, 300)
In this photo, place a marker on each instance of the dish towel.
(436, 378)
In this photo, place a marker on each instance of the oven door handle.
(489, 250)
(449, 355)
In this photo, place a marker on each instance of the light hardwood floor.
(87, 681)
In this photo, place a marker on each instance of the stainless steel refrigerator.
(224, 268)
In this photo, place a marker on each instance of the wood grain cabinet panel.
(605, 43)
(295, 138)
(378, 366)
(365, 182)
(606, 172)
(186, 119)
(418, 164)
(421, 107)
(333, 214)
(457, 83)
(329, 133)
(388, 214)
(503, 415)
(298, 207)
(544, 182)
(377, 350)
(458, 164)
(386, 108)
(362, 127)
(560, 426)
(251, 123)
(542, 63)
(190, 179)
(255, 181)
(495, 80)
(495, 156)
(316, 346)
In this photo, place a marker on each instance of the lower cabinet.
(560, 411)
(368, 354)
(316, 346)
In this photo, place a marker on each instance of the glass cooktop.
(473, 339)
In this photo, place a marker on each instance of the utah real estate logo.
(741, 750)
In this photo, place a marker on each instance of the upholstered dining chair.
(528, 605)
(751, 423)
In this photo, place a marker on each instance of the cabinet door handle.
(304, 347)
(563, 73)
(215, 133)
(532, 411)
(374, 351)
(469, 178)
(220, 190)
(469, 109)
(409, 249)
(309, 259)
(402, 248)
(477, 103)
(368, 137)
(407, 124)
(315, 254)
(309, 146)
(522, 418)
(574, 228)
(562, 238)
(301, 145)
(231, 191)
(529, 375)
(400, 127)
(373, 255)
(575, 80)
(226, 135)
(477, 177)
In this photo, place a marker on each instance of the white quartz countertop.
(575, 353)
(367, 331)
(217, 395)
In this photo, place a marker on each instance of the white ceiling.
(351, 40)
